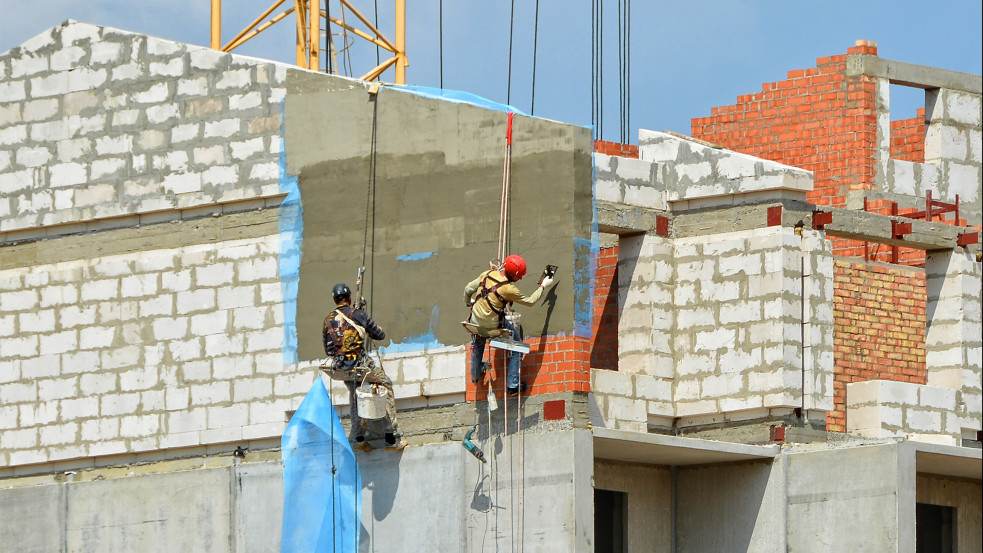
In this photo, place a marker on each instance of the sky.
(686, 56)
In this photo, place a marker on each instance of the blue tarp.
(321, 506)
(455, 96)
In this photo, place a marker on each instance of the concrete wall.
(851, 499)
(433, 171)
(732, 507)
(150, 508)
(435, 497)
(649, 490)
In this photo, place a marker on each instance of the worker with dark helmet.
(490, 296)
(344, 334)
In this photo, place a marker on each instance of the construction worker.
(344, 335)
(489, 296)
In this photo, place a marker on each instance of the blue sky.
(686, 56)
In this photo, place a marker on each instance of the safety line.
(508, 93)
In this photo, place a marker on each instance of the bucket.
(371, 400)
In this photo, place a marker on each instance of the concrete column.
(953, 343)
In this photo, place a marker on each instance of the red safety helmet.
(515, 267)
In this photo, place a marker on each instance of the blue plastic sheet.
(457, 96)
(321, 506)
(291, 230)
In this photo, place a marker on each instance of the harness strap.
(334, 331)
(358, 328)
(486, 291)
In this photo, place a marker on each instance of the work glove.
(547, 282)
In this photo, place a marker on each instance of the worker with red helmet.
(489, 296)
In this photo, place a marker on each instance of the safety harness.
(485, 291)
(347, 336)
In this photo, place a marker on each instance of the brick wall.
(879, 328)
(615, 149)
(816, 119)
(908, 138)
(556, 364)
(604, 338)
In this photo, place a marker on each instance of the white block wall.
(146, 350)
(688, 170)
(954, 337)
(714, 324)
(953, 144)
(953, 151)
(164, 347)
(628, 181)
(98, 123)
(886, 409)
(738, 335)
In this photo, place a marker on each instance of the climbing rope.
(508, 93)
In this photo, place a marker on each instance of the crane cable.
(378, 58)
(535, 42)
(440, 26)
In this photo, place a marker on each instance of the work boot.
(394, 442)
(515, 391)
(361, 444)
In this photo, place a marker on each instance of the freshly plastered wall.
(413, 185)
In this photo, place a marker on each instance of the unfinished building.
(755, 343)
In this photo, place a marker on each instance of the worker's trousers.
(353, 373)
(514, 357)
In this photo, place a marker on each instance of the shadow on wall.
(719, 506)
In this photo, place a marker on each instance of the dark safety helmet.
(340, 292)
(515, 267)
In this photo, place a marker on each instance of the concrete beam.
(615, 218)
(946, 460)
(714, 220)
(658, 449)
(872, 227)
(112, 241)
(910, 74)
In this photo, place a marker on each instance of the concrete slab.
(658, 449)
(947, 460)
